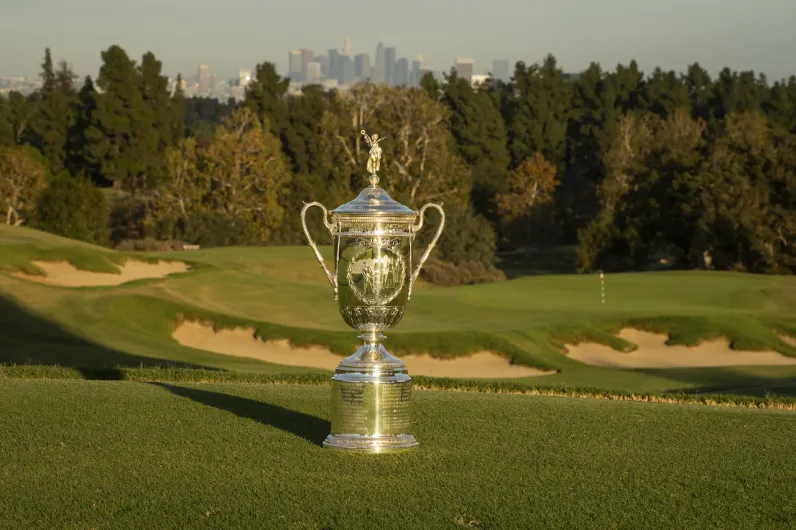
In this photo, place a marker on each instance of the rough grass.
(249, 456)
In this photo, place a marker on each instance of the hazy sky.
(230, 34)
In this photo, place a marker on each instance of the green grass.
(97, 454)
(174, 374)
(281, 292)
(19, 247)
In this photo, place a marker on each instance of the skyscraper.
(389, 65)
(347, 46)
(203, 78)
(377, 76)
(414, 74)
(346, 69)
(323, 60)
(307, 56)
(362, 65)
(465, 68)
(294, 66)
(401, 72)
(334, 59)
(500, 70)
(313, 73)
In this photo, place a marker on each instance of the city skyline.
(236, 34)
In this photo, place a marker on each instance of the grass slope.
(248, 456)
(282, 292)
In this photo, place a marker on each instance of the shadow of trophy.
(373, 238)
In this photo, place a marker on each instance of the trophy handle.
(431, 246)
(332, 276)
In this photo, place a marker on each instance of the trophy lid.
(373, 200)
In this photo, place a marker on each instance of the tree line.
(629, 168)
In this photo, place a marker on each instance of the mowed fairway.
(282, 293)
(99, 454)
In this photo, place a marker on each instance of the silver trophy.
(373, 238)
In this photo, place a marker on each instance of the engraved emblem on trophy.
(373, 238)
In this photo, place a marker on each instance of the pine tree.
(664, 93)
(538, 115)
(76, 162)
(430, 86)
(117, 139)
(480, 134)
(306, 114)
(593, 117)
(698, 85)
(780, 109)
(178, 110)
(157, 126)
(265, 96)
(53, 113)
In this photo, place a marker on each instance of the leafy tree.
(465, 252)
(20, 114)
(6, 123)
(419, 162)
(72, 207)
(531, 184)
(22, 176)
(744, 203)
(233, 185)
(649, 162)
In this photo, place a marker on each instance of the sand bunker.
(243, 343)
(65, 274)
(788, 340)
(653, 352)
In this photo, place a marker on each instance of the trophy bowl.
(373, 238)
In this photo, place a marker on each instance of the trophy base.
(392, 443)
(371, 394)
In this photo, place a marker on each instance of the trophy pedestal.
(371, 396)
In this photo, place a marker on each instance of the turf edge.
(188, 375)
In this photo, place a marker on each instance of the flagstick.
(602, 287)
